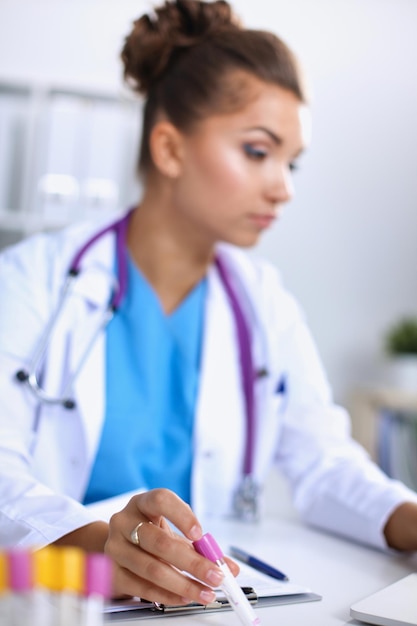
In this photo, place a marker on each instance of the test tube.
(208, 547)
(5, 604)
(70, 579)
(98, 584)
(21, 585)
(44, 584)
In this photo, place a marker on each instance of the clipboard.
(260, 589)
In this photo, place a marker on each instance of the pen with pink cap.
(207, 546)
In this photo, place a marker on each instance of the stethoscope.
(246, 496)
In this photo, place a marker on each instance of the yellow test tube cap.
(71, 569)
(4, 575)
(45, 567)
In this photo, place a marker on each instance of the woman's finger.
(232, 565)
(163, 502)
(153, 554)
(176, 588)
(180, 553)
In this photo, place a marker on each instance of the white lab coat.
(46, 452)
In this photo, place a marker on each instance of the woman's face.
(236, 169)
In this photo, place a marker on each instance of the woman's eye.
(253, 152)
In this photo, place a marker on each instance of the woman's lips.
(262, 221)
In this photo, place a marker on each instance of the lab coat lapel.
(220, 409)
(90, 298)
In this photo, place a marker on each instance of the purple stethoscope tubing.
(30, 375)
(246, 365)
(119, 228)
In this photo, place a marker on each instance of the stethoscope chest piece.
(246, 500)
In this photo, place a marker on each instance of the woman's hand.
(401, 528)
(150, 558)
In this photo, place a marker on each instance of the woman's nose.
(281, 188)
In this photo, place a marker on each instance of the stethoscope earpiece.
(22, 376)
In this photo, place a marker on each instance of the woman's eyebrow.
(275, 138)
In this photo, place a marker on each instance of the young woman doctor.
(160, 404)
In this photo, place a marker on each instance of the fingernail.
(214, 577)
(208, 596)
(195, 533)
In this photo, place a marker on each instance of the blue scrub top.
(152, 372)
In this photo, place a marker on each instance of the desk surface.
(339, 570)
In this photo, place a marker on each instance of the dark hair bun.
(175, 26)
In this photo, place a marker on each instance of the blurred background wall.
(347, 245)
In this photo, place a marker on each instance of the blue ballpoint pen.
(256, 563)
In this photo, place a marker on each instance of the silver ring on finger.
(135, 536)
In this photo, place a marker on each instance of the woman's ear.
(165, 144)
